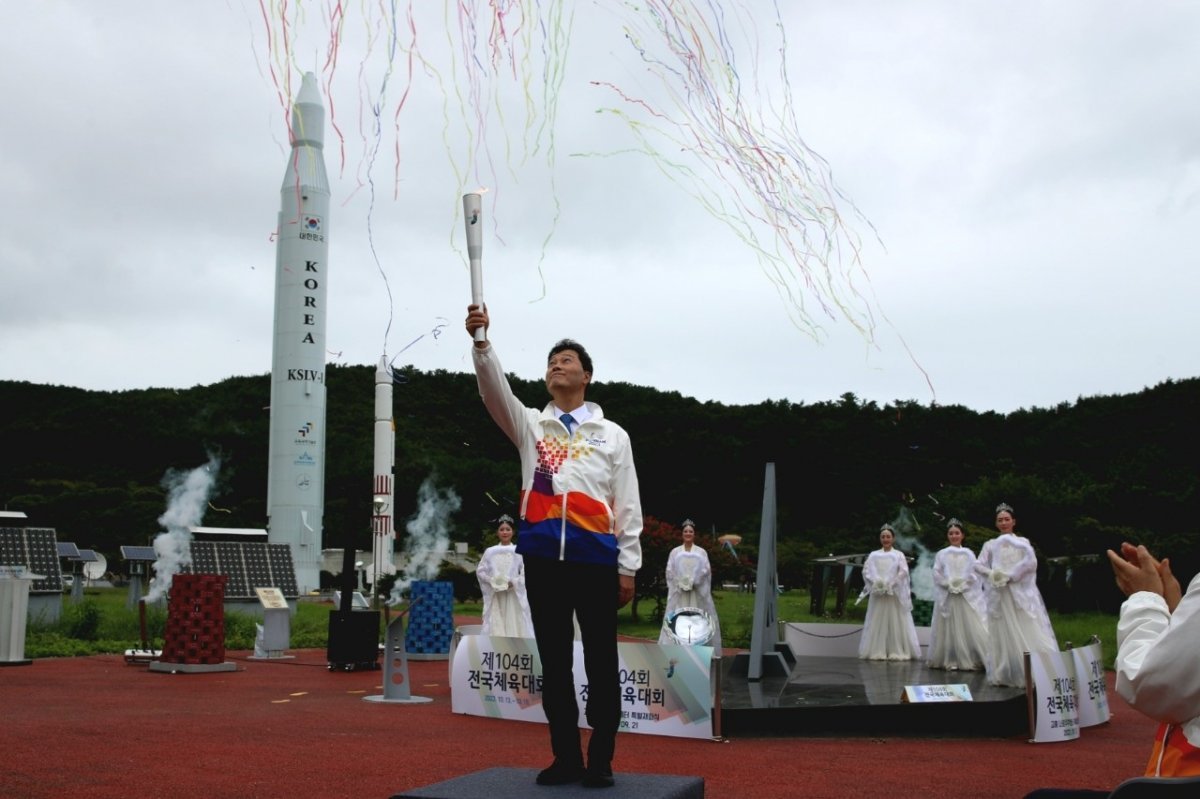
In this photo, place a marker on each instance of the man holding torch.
(580, 522)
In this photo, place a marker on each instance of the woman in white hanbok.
(888, 632)
(501, 574)
(1016, 615)
(958, 631)
(689, 585)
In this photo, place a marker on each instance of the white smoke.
(428, 537)
(906, 527)
(187, 497)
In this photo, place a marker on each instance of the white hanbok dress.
(889, 632)
(958, 631)
(1016, 615)
(501, 574)
(689, 585)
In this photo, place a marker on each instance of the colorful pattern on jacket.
(575, 527)
(1172, 755)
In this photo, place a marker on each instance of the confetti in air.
(700, 89)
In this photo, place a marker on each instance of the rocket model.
(296, 468)
(383, 501)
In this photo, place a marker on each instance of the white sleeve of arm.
(939, 571)
(1027, 566)
(869, 574)
(1156, 655)
(503, 406)
(983, 563)
(627, 509)
(483, 572)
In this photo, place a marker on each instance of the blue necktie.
(568, 420)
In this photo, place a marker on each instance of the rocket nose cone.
(308, 115)
(308, 90)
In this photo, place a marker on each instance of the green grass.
(102, 624)
(1077, 629)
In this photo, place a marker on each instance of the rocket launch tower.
(296, 468)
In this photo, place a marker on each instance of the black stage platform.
(845, 696)
(518, 783)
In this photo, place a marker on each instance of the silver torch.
(473, 218)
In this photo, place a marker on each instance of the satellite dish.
(94, 570)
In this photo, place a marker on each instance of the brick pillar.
(195, 632)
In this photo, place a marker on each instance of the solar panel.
(258, 568)
(283, 572)
(35, 549)
(12, 546)
(204, 558)
(66, 549)
(87, 556)
(231, 564)
(137, 553)
(247, 564)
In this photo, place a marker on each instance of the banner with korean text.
(1054, 700)
(1092, 686)
(665, 690)
(1067, 691)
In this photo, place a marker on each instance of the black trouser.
(559, 591)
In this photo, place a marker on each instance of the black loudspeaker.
(353, 640)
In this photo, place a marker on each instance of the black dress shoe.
(597, 777)
(559, 773)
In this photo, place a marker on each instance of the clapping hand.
(1137, 570)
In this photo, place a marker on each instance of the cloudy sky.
(1021, 178)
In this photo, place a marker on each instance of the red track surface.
(96, 727)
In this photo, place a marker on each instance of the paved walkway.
(98, 728)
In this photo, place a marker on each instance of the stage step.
(518, 783)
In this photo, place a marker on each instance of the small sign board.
(1052, 690)
(271, 598)
(1092, 687)
(953, 692)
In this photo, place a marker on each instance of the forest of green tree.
(1082, 476)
